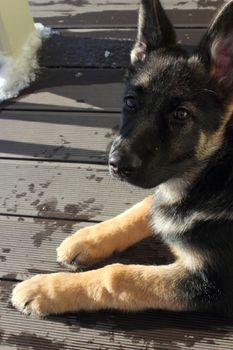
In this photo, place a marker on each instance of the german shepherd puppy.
(176, 136)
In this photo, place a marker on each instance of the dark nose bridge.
(126, 138)
(116, 144)
(136, 137)
(121, 145)
(123, 160)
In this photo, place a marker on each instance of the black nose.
(122, 165)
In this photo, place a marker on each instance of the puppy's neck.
(176, 189)
(171, 191)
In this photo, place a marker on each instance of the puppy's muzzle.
(123, 165)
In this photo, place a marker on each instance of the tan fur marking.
(125, 287)
(94, 243)
(207, 145)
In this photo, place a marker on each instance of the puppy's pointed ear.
(154, 30)
(216, 47)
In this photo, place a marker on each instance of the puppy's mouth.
(136, 179)
(118, 174)
(130, 169)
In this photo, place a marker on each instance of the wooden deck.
(54, 141)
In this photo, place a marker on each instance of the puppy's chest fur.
(172, 217)
(167, 216)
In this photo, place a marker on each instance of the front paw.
(82, 249)
(39, 296)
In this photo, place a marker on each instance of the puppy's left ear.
(154, 30)
(216, 48)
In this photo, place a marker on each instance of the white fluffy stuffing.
(17, 73)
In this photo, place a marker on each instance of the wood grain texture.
(115, 13)
(59, 190)
(76, 136)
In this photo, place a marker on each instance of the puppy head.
(175, 107)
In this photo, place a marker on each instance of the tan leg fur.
(92, 244)
(117, 286)
(124, 287)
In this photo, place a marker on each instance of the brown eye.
(181, 114)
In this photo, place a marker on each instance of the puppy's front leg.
(92, 244)
(123, 287)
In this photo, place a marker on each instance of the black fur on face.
(174, 106)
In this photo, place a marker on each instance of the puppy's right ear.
(154, 30)
(216, 48)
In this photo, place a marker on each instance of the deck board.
(118, 13)
(100, 48)
(60, 190)
(82, 88)
(76, 136)
(68, 89)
